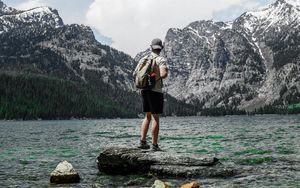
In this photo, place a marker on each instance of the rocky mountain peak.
(40, 17)
(269, 18)
(295, 3)
(248, 63)
(39, 37)
(278, 10)
(42, 14)
(4, 9)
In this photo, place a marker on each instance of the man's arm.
(163, 72)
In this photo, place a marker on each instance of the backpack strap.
(152, 60)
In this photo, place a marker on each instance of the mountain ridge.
(247, 63)
(37, 42)
(43, 29)
(38, 50)
(213, 65)
(45, 16)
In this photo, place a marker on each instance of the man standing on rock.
(153, 98)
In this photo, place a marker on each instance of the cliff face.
(248, 63)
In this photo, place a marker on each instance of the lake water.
(265, 148)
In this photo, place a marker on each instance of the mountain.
(248, 63)
(38, 41)
(5, 10)
(51, 70)
(38, 49)
(275, 33)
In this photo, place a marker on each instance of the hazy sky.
(130, 25)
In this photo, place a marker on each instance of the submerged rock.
(135, 161)
(64, 173)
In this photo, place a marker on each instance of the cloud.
(232, 12)
(133, 23)
(30, 4)
(101, 38)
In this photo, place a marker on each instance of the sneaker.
(144, 145)
(155, 147)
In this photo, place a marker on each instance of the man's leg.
(155, 128)
(145, 126)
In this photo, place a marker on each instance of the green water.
(265, 149)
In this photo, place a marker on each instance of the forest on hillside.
(27, 96)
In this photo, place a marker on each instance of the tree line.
(30, 96)
(27, 96)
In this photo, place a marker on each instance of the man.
(153, 98)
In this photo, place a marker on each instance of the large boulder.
(64, 173)
(117, 160)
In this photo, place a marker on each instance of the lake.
(266, 148)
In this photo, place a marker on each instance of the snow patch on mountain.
(228, 25)
(282, 12)
(42, 15)
(36, 17)
(295, 3)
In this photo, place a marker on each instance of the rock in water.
(160, 184)
(64, 173)
(135, 161)
(191, 185)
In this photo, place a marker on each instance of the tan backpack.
(143, 77)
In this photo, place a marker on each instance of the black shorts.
(153, 101)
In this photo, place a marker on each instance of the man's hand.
(163, 72)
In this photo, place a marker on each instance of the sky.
(130, 25)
